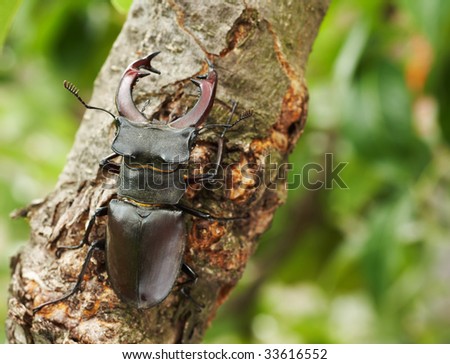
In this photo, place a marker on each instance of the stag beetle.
(146, 233)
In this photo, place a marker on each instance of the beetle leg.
(212, 174)
(110, 166)
(107, 159)
(101, 211)
(186, 286)
(97, 245)
(187, 318)
(187, 322)
(206, 215)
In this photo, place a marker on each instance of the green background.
(367, 263)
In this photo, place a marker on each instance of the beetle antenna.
(245, 115)
(69, 86)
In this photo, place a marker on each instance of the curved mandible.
(198, 114)
(124, 99)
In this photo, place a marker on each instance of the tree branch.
(259, 50)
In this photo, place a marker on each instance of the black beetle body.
(146, 232)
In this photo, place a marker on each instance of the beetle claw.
(143, 66)
(124, 100)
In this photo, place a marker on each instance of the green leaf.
(9, 9)
(122, 6)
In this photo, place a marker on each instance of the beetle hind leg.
(186, 286)
(187, 323)
(187, 317)
(97, 245)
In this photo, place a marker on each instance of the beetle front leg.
(109, 166)
(212, 174)
(101, 211)
(97, 245)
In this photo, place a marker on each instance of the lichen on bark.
(259, 49)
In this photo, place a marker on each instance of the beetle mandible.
(146, 233)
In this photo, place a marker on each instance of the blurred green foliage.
(9, 9)
(367, 263)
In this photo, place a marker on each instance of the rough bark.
(260, 49)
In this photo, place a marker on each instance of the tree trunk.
(259, 49)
